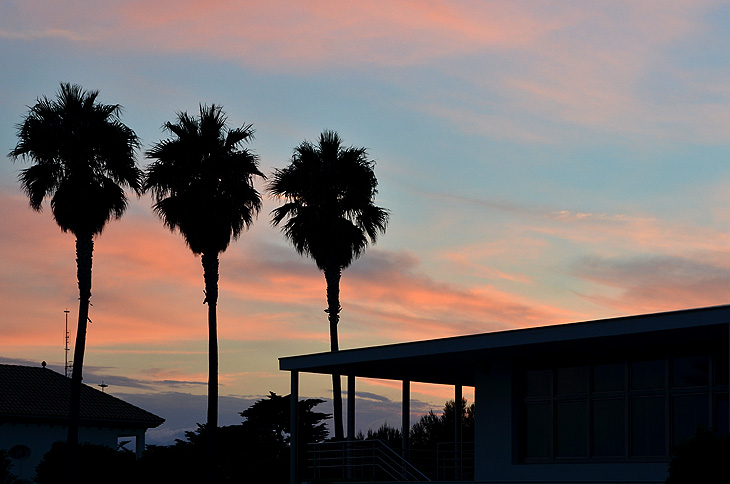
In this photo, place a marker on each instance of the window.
(608, 427)
(634, 409)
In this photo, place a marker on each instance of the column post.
(294, 424)
(139, 443)
(406, 417)
(351, 407)
(458, 416)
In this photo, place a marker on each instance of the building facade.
(590, 402)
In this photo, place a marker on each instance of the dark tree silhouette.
(702, 458)
(6, 477)
(202, 184)
(255, 451)
(329, 191)
(83, 158)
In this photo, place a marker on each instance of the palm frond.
(328, 191)
(84, 158)
(201, 179)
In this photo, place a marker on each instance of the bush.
(97, 463)
(701, 459)
(6, 477)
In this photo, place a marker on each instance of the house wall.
(39, 438)
(496, 454)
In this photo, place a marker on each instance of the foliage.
(202, 180)
(432, 429)
(6, 477)
(98, 463)
(390, 436)
(703, 458)
(202, 184)
(270, 420)
(328, 191)
(257, 449)
(83, 157)
(328, 214)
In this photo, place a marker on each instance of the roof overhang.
(447, 360)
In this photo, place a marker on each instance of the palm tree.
(328, 191)
(202, 184)
(83, 158)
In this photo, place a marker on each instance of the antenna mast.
(66, 367)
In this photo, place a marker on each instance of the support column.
(139, 443)
(294, 424)
(458, 416)
(351, 407)
(350, 423)
(406, 417)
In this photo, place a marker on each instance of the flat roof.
(444, 360)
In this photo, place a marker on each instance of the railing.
(455, 461)
(373, 460)
(360, 460)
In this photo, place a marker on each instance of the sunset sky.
(543, 162)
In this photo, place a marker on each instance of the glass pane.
(609, 378)
(537, 430)
(538, 383)
(647, 375)
(691, 371)
(648, 435)
(571, 380)
(571, 428)
(689, 412)
(609, 418)
(721, 368)
(721, 414)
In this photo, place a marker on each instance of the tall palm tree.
(202, 184)
(83, 158)
(329, 191)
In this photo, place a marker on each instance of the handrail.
(363, 455)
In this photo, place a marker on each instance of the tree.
(432, 429)
(6, 477)
(257, 449)
(330, 216)
(702, 458)
(83, 159)
(101, 464)
(202, 184)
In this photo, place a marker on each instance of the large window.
(632, 409)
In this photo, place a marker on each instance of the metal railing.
(455, 461)
(373, 460)
(360, 460)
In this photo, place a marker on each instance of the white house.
(34, 406)
(590, 402)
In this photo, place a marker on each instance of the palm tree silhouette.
(83, 158)
(202, 184)
(328, 191)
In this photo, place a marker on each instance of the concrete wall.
(495, 457)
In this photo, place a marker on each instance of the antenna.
(66, 367)
(103, 386)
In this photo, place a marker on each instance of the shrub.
(701, 459)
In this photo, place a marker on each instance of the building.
(589, 402)
(34, 407)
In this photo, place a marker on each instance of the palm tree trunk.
(84, 252)
(332, 275)
(210, 274)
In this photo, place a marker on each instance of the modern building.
(34, 407)
(590, 402)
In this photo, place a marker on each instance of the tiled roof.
(39, 394)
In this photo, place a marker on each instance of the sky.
(543, 163)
